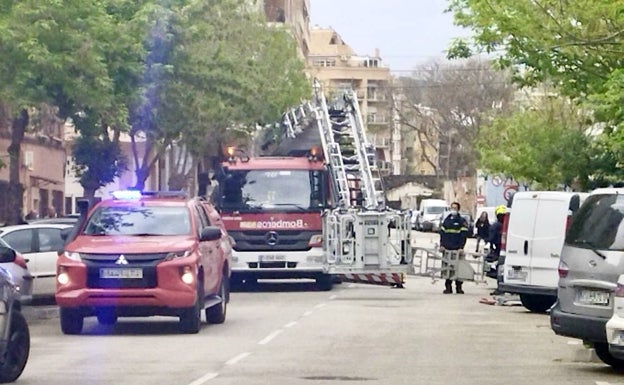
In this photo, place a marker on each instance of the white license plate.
(272, 258)
(594, 297)
(121, 273)
(517, 275)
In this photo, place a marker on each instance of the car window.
(50, 239)
(20, 240)
(599, 223)
(139, 220)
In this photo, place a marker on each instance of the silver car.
(591, 261)
(21, 277)
(14, 334)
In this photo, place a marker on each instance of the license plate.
(272, 258)
(121, 273)
(517, 275)
(594, 297)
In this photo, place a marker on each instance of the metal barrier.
(449, 264)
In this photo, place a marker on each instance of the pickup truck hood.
(130, 244)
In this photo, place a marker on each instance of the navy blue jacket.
(453, 232)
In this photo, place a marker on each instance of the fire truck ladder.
(364, 241)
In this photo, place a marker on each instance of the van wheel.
(602, 351)
(216, 314)
(17, 350)
(537, 303)
(71, 321)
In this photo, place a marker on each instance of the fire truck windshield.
(272, 190)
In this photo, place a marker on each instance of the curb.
(34, 314)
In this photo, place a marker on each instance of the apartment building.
(339, 68)
(296, 15)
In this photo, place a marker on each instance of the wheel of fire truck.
(325, 282)
(71, 320)
(190, 319)
(13, 363)
(216, 314)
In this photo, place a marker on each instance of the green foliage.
(543, 143)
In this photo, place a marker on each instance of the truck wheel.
(537, 303)
(107, 317)
(602, 351)
(18, 348)
(71, 321)
(216, 314)
(325, 282)
(190, 319)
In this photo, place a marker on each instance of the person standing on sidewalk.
(453, 235)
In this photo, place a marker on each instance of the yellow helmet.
(501, 209)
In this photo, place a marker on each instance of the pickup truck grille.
(287, 240)
(116, 265)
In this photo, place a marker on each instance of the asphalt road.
(288, 333)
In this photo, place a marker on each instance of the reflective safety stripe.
(453, 231)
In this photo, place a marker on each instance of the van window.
(599, 223)
(434, 209)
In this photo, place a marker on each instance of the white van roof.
(608, 190)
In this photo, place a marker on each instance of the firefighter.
(453, 235)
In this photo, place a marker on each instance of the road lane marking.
(602, 383)
(333, 296)
(320, 305)
(290, 324)
(205, 378)
(307, 313)
(268, 338)
(574, 342)
(236, 359)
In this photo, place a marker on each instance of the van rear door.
(519, 232)
(545, 247)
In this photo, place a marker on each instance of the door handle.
(526, 247)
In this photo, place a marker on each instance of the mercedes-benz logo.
(271, 238)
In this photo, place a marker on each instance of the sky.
(407, 32)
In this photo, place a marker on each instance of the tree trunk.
(16, 190)
(141, 174)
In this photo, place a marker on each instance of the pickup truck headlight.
(73, 255)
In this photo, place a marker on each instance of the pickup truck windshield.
(138, 220)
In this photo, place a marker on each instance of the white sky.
(407, 32)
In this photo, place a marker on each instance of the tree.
(213, 69)
(51, 55)
(444, 104)
(574, 45)
(543, 142)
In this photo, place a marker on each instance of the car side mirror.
(65, 233)
(210, 233)
(7, 254)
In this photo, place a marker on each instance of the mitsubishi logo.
(271, 238)
(121, 260)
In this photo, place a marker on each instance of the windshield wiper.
(592, 247)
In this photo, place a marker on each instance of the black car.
(470, 222)
(14, 334)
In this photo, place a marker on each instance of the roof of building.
(327, 42)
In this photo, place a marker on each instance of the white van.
(429, 213)
(535, 234)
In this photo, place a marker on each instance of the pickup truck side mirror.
(7, 254)
(210, 233)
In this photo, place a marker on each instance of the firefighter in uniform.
(453, 235)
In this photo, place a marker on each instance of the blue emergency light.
(127, 194)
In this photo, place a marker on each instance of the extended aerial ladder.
(364, 241)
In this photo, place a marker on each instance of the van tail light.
(20, 261)
(503, 245)
(563, 269)
(568, 222)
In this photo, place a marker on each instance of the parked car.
(68, 220)
(144, 255)
(591, 262)
(428, 214)
(535, 233)
(14, 333)
(615, 325)
(21, 277)
(39, 245)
